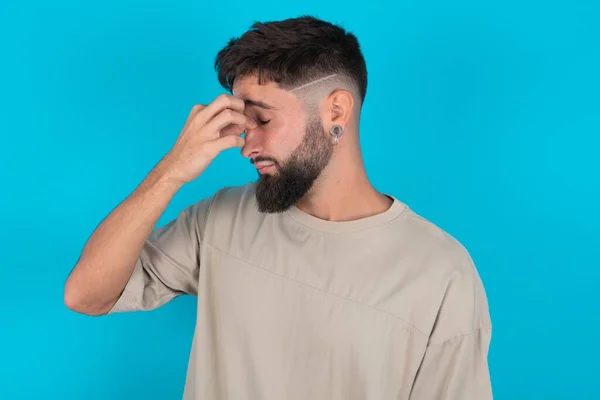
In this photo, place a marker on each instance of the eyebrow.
(258, 103)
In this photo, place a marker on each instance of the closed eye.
(263, 122)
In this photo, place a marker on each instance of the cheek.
(282, 139)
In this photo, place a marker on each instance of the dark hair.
(292, 52)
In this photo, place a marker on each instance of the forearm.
(111, 252)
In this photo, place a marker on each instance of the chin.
(266, 174)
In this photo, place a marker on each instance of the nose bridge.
(252, 145)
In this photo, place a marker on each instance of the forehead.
(248, 89)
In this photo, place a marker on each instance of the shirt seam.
(406, 324)
(461, 337)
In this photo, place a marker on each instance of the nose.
(252, 146)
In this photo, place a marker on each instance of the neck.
(343, 192)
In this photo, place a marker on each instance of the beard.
(277, 193)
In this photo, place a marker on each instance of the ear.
(340, 105)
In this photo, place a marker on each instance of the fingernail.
(253, 123)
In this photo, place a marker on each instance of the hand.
(207, 132)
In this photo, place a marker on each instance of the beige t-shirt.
(292, 307)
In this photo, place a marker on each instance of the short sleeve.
(169, 263)
(456, 369)
(455, 364)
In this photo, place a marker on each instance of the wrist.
(163, 178)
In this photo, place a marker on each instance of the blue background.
(483, 116)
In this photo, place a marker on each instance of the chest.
(259, 306)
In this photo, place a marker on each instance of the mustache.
(264, 158)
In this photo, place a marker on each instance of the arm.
(123, 250)
(111, 253)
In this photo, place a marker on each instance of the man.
(310, 283)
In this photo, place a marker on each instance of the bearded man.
(310, 283)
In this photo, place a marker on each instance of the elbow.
(72, 300)
(76, 301)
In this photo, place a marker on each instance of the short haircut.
(293, 52)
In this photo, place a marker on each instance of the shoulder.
(448, 268)
(433, 250)
(234, 196)
(233, 202)
(225, 200)
(433, 239)
(232, 210)
(225, 204)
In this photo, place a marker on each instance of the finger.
(232, 130)
(193, 112)
(221, 103)
(229, 117)
(227, 142)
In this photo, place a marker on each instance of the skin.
(343, 191)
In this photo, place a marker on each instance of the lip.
(264, 168)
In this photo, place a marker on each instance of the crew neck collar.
(395, 210)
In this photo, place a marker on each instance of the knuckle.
(224, 98)
(239, 102)
(194, 117)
